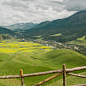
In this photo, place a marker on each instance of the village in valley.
(57, 45)
(53, 44)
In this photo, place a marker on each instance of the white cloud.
(17, 11)
(15, 3)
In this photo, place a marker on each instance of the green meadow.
(79, 41)
(56, 34)
(33, 58)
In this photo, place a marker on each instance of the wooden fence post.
(64, 75)
(22, 78)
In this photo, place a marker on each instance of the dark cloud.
(58, 6)
(76, 5)
(72, 5)
(14, 3)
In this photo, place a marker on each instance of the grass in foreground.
(70, 80)
(38, 61)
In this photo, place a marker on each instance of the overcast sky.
(36, 11)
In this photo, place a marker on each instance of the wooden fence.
(64, 71)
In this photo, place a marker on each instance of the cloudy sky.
(36, 11)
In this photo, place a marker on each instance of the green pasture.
(40, 38)
(33, 58)
(59, 34)
(79, 41)
(37, 36)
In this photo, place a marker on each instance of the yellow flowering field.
(13, 47)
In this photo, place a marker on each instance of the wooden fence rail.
(64, 71)
(78, 75)
(48, 79)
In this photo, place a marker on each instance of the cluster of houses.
(58, 45)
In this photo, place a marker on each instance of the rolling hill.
(33, 58)
(5, 31)
(39, 61)
(70, 28)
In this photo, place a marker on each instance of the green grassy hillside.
(73, 28)
(60, 56)
(37, 61)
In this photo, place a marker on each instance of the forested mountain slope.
(5, 31)
(70, 28)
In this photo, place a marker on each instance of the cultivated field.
(13, 47)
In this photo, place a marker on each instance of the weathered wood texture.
(79, 85)
(48, 79)
(10, 76)
(43, 73)
(78, 75)
(64, 75)
(76, 69)
(22, 78)
(64, 72)
(55, 71)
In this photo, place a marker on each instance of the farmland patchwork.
(13, 47)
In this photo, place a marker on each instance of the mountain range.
(20, 26)
(70, 28)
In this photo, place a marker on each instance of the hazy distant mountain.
(70, 28)
(21, 26)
